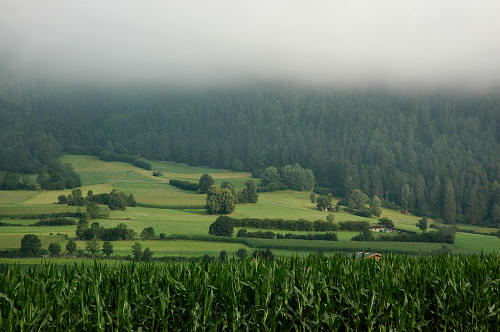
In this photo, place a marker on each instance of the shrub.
(422, 224)
(363, 212)
(365, 235)
(205, 182)
(137, 251)
(323, 202)
(184, 185)
(241, 253)
(221, 227)
(120, 232)
(354, 225)
(442, 235)
(111, 156)
(31, 245)
(262, 235)
(142, 164)
(386, 222)
(95, 211)
(54, 249)
(148, 233)
(58, 176)
(92, 247)
(55, 222)
(147, 254)
(281, 224)
(115, 200)
(266, 254)
(71, 247)
(107, 248)
(324, 237)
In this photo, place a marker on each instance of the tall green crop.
(315, 293)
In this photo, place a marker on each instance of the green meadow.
(170, 210)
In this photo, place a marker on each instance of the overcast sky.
(395, 42)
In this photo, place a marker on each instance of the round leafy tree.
(54, 249)
(71, 247)
(222, 226)
(31, 245)
(205, 182)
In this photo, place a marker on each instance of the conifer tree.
(449, 204)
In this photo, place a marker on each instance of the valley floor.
(181, 212)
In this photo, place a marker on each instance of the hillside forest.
(434, 155)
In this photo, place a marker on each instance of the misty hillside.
(436, 155)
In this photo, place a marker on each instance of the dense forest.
(432, 154)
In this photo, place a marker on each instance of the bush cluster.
(115, 200)
(282, 224)
(365, 235)
(324, 236)
(96, 231)
(55, 222)
(13, 181)
(442, 235)
(356, 225)
(184, 185)
(259, 234)
(111, 156)
(58, 176)
(222, 226)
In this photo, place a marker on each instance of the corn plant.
(315, 293)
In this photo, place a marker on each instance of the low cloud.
(391, 42)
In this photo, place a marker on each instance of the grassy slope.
(102, 176)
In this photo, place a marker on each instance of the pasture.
(170, 210)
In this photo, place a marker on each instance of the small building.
(371, 255)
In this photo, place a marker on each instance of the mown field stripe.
(172, 206)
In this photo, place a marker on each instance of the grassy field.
(9, 197)
(174, 248)
(22, 209)
(100, 176)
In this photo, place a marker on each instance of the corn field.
(314, 293)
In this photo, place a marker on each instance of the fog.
(428, 43)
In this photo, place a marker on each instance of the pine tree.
(405, 196)
(435, 196)
(420, 205)
(449, 204)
